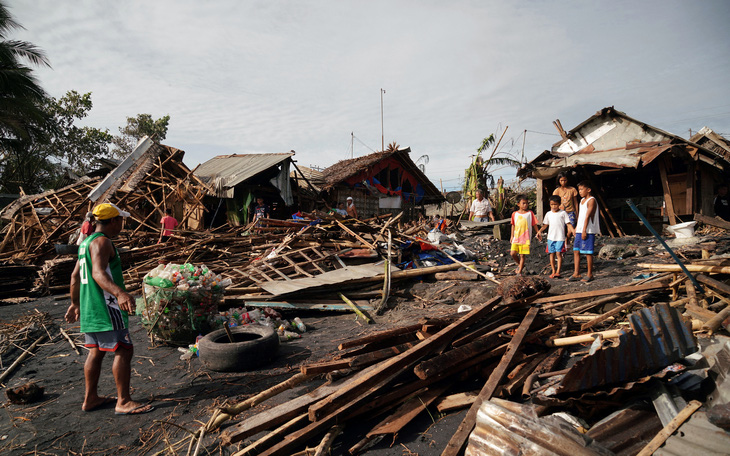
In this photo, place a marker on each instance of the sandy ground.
(185, 394)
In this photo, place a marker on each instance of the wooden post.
(669, 204)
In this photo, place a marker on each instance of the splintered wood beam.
(357, 236)
(613, 312)
(713, 221)
(662, 163)
(378, 336)
(409, 410)
(453, 448)
(595, 293)
(716, 284)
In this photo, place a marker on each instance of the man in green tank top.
(100, 302)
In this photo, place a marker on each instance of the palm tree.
(22, 117)
(478, 175)
(21, 95)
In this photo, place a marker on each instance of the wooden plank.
(453, 448)
(595, 293)
(670, 428)
(690, 185)
(668, 203)
(346, 395)
(713, 221)
(408, 411)
(456, 401)
(357, 236)
(306, 305)
(716, 284)
(283, 412)
(615, 311)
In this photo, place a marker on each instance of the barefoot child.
(568, 196)
(585, 232)
(555, 221)
(523, 220)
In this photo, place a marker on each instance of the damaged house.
(669, 178)
(381, 182)
(239, 179)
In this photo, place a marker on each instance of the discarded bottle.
(288, 335)
(299, 325)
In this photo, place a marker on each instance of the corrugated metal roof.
(227, 171)
(505, 427)
(660, 336)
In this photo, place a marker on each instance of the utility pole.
(382, 131)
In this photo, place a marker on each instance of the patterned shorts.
(108, 340)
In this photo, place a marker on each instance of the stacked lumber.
(16, 279)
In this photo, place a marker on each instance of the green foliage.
(137, 128)
(37, 163)
(77, 146)
(478, 175)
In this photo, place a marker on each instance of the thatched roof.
(345, 169)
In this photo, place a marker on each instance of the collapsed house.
(151, 179)
(381, 182)
(665, 175)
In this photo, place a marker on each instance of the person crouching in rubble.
(523, 222)
(100, 302)
(556, 222)
(586, 230)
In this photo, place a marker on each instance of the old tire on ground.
(252, 347)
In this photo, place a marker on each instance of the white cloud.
(273, 76)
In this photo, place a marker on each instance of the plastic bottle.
(299, 325)
(288, 335)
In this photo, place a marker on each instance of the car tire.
(252, 346)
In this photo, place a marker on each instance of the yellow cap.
(108, 211)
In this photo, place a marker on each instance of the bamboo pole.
(609, 334)
(21, 358)
(355, 309)
(690, 268)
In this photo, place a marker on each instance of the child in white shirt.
(556, 221)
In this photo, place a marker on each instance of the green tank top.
(99, 309)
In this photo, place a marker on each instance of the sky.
(274, 76)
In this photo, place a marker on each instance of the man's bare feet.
(99, 402)
(133, 408)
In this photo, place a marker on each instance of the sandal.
(573, 279)
(588, 279)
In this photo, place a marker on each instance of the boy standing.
(585, 232)
(568, 196)
(556, 220)
(523, 220)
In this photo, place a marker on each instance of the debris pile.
(548, 370)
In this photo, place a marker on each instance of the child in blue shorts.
(586, 230)
(555, 221)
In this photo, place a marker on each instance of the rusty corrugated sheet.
(659, 337)
(505, 427)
